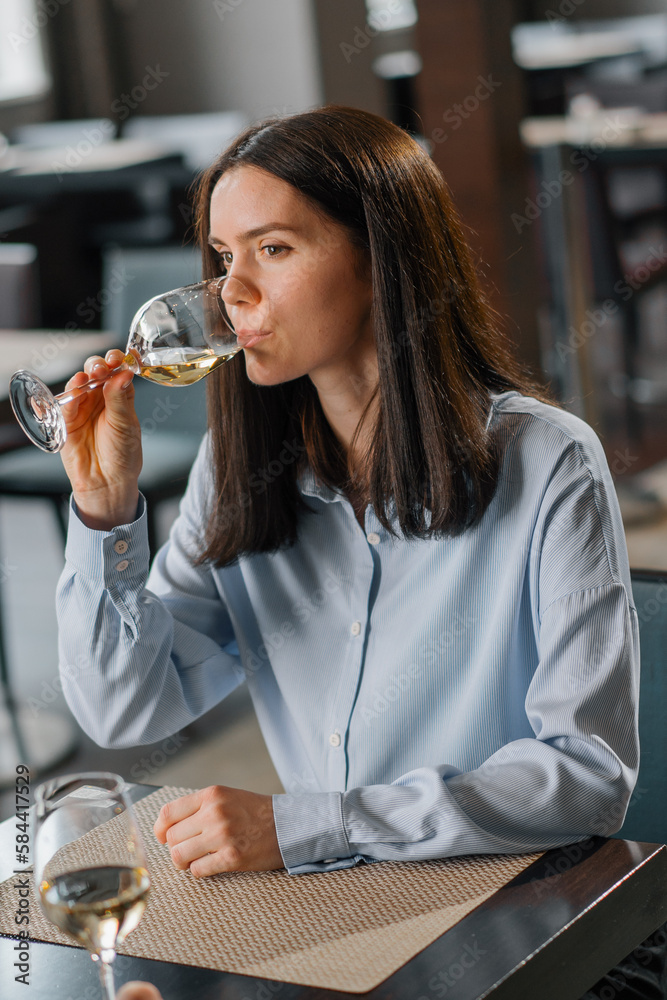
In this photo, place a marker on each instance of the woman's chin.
(267, 374)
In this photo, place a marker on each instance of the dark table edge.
(642, 892)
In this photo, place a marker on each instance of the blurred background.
(549, 123)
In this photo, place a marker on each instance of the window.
(389, 15)
(23, 72)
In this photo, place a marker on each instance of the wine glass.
(175, 339)
(90, 866)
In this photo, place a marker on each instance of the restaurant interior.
(548, 120)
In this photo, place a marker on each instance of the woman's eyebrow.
(252, 234)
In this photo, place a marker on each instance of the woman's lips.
(248, 338)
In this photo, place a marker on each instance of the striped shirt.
(419, 698)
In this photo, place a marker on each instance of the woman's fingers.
(94, 362)
(78, 379)
(98, 369)
(114, 358)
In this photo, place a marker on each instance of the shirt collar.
(311, 486)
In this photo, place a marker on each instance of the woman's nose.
(234, 292)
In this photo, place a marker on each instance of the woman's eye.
(225, 259)
(272, 250)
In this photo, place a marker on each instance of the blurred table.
(606, 130)
(72, 201)
(538, 49)
(54, 355)
(551, 933)
(25, 170)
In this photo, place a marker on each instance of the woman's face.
(295, 293)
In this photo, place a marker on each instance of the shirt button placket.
(338, 757)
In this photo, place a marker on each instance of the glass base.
(37, 411)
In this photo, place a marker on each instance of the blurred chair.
(19, 287)
(30, 474)
(139, 273)
(198, 137)
(19, 309)
(23, 738)
(173, 420)
(625, 221)
(646, 818)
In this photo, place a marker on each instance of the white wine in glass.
(90, 866)
(175, 339)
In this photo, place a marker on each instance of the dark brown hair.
(432, 465)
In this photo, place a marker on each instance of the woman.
(414, 561)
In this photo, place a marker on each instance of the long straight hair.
(432, 466)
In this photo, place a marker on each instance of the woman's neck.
(344, 400)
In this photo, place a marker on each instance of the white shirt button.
(123, 564)
(373, 538)
(334, 739)
(120, 547)
(355, 628)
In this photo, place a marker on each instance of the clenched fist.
(220, 829)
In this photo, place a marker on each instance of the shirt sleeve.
(574, 778)
(139, 661)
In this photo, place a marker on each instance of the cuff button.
(123, 564)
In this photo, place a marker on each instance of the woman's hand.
(102, 454)
(220, 829)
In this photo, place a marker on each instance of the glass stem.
(107, 981)
(129, 364)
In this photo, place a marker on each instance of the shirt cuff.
(311, 833)
(119, 554)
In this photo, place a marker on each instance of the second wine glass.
(176, 338)
(90, 866)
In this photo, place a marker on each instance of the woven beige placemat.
(344, 930)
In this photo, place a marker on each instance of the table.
(122, 163)
(605, 130)
(54, 355)
(546, 49)
(550, 933)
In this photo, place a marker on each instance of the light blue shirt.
(419, 698)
